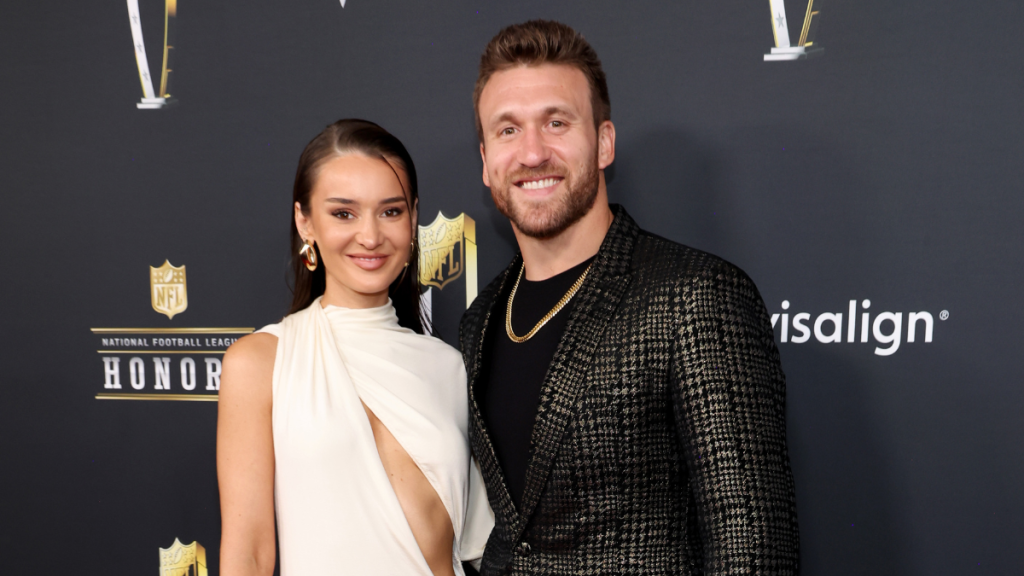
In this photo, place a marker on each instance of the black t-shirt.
(509, 392)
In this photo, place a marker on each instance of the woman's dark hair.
(360, 137)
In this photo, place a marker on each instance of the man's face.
(541, 152)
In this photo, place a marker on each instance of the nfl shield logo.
(167, 288)
(442, 250)
(183, 560)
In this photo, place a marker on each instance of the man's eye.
(508, 131)
(557, 123)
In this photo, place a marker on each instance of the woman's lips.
(369, 261)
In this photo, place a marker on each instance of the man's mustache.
(545, 169)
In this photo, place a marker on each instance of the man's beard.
(553, 216)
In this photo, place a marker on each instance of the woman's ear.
(303, 223)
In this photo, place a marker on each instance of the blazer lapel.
(483, 447)
(596, 303)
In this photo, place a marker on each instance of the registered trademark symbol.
(944, 315)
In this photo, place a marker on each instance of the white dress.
(336, 510)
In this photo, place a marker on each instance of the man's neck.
(552, 256)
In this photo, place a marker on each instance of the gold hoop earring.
(308, 255)
(412, 250)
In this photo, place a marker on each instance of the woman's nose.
(369, 235)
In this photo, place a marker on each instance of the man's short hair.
(543, 42)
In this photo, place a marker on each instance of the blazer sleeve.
(729, 407)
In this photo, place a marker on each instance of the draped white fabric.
(336, 510)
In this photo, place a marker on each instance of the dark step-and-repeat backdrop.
(862, 161)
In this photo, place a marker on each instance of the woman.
(346, 418)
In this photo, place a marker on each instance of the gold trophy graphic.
(448, 251)
(153, 100)
(805, 48)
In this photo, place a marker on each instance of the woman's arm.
(245, 458)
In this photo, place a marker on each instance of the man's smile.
(539, 185)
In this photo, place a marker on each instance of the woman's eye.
(343, 214)
(391, 212)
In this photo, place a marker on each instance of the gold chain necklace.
(551, 314)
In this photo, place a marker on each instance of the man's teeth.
(538, 184)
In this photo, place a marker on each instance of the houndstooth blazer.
(659, 445)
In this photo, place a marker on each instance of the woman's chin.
(362, 288)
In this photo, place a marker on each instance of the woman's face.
(361, 221)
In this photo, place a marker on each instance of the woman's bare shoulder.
(251, 358)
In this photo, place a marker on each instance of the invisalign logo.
(886, 328)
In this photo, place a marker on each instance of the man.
(628, 406)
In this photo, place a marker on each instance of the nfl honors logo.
(164, 363)
(167, 289)
(183, 560)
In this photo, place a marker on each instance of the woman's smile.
(369, 261)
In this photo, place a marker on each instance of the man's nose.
(533, 150)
